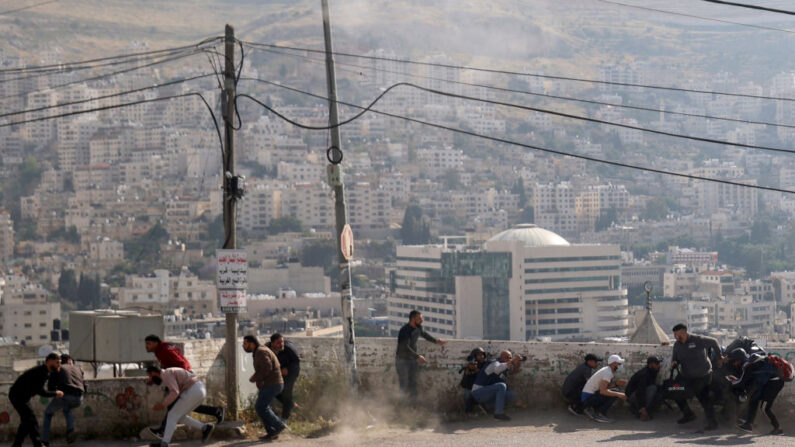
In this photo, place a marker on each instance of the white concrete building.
(163, 293)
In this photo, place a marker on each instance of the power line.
(527, 146)
(516, 73)
(745, 5)
(10, 11)
(111, 95)
(105, 75)
(524, 92)
(63, 65)
(693, 16)
(551, 112)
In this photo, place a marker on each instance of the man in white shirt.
(188, 392)
(490, 387)
(597, 398)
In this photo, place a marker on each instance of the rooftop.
(532, 235)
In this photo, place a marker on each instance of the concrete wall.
(117, 407)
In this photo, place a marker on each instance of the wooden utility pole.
(231, 192)
(344, 251)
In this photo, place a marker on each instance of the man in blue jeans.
(68, 380)
(490, 387)
(597, 397)
(268, 377)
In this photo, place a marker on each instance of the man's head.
(52, 362)
(477, 355)
(152, 342)
(680, 333)
(250, 343)
(614, 361)
(505, 356)
(277, 342)
(738, 357)
(154, 375)
(415, 318)
(66, 359)
(592, 361)
(653, 363)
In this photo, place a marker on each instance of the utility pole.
(344, 251)
(231, 194)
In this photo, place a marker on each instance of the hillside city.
(121, 208)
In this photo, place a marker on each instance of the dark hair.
(153, 338)
(680, 327)
(52, 356)
(251, 339)
(153, 369)
(65, 358)
(276, 336)
(413, 314)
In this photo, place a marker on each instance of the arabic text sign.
(232, 269)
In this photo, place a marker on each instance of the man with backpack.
(575, 381)
(692, 354)
(763, 378)
(490, 387)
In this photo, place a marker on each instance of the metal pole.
(230, 238)
(339, 207)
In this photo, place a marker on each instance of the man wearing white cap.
(597, 398)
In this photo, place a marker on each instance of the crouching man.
(490, 387)
(186, 392)
(597, 397)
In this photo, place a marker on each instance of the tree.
(606, 219)
(518, 189)
(416, 230)
(67, 285)
(452, 180)
(656, 209)
(285, 224)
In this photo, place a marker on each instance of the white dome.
(532, 235)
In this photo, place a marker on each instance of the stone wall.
(115, 408)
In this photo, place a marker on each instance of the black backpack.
(748, 344)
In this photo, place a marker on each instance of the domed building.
(523, 283)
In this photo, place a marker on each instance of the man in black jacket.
(407, 359)
(29, 384)
(575, 381)
(68, 379)
(287, 354)
(642, 389)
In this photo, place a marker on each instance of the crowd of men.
(699, 369)
(276, 370)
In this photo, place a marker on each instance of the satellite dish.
(45, 350)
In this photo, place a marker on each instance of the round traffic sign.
(346, 242)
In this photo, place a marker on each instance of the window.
(42, 324)
(28, 325)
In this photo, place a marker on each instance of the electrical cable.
(516, 73)
(693, 16)
(534, 109)
(24, 8)
(745, 5)
(515, 143)
(524, 92)
(111, 95)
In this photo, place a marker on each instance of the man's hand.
(441, 342)
(284, 372)
(59, 394)
(644, 415)
(622, 396)
(421, 360)
(252, 379)
(621, 382)
(674, 365)
(159, 407)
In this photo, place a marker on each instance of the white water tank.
(112, 336)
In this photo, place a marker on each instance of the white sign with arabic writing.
(233, 301)
(232, 269)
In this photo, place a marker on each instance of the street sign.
(346, 242)
(233, 301)
(232, 269)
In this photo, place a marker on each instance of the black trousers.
(286, 397)
(575, 399)
(768, 394)
(28, 425)
(699, 388)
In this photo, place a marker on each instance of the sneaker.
(590, 413)
(207, 431)
(573, 410)
(502, 417)
(220, 414)
(711, 425)
(777, 432)
(270, 437)
(71, 437)
(604, 419)
(156, 432)
(689, 417)
(746, 427)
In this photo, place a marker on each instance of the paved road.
(554, 429)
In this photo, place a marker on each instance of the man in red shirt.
(170, 357)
